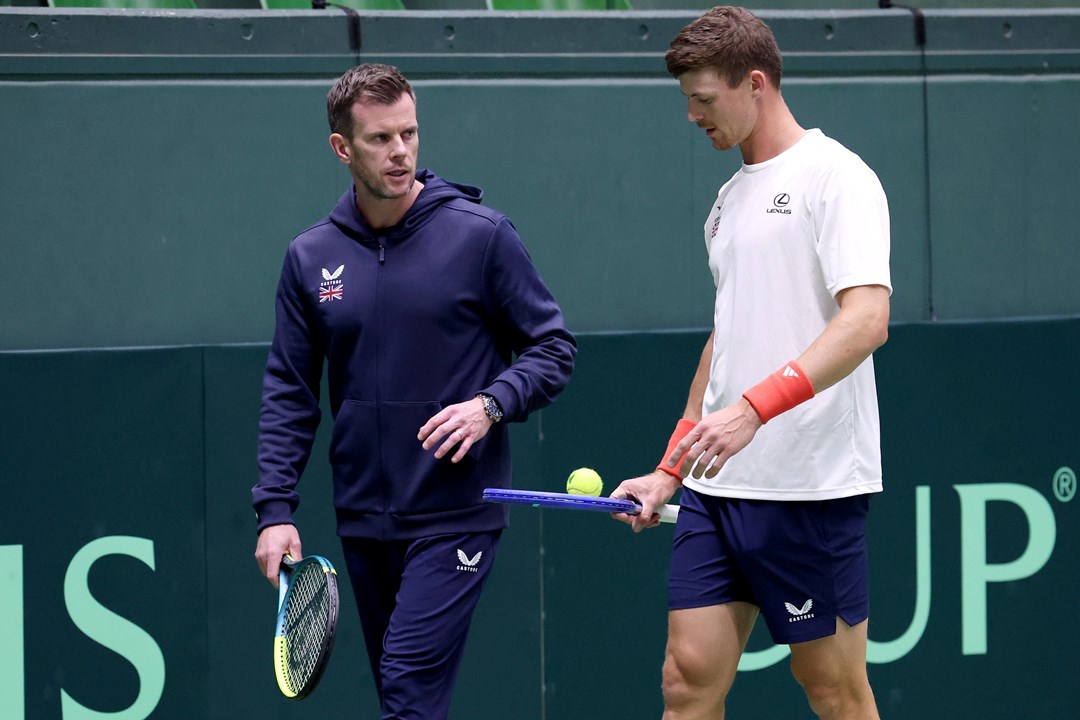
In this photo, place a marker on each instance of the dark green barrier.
(128, 586)
(103, 466)
(979, 424)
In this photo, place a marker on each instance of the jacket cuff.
(507, 399)
(275, 512)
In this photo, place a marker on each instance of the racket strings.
(307, 623)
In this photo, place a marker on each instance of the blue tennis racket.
(306, 622)
(568, 501)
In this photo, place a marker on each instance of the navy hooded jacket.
(409, 319)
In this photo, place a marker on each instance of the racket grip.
(668, 513)
(283, 586)
(283, 579)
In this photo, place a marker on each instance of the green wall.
(155, 165)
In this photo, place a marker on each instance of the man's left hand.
(458, 426)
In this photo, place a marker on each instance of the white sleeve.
(851, 219)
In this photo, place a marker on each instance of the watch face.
(491, 407)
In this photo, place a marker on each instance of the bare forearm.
(860, 328)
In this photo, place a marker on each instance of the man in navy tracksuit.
(436, 330)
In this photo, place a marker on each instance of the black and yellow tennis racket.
(306, 621)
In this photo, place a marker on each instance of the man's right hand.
(650, 492)
(275, 542)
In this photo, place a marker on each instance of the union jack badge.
(331, 288)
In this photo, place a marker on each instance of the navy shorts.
(803, 563)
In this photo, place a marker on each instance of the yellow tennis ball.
(584, 481)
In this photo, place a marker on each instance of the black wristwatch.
(491, 407)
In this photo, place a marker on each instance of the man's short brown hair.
(371, 82)
(732, 40)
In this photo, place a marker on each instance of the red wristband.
(780, 392)
(681, 429)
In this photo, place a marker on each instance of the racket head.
(536, 498)
(306, 624)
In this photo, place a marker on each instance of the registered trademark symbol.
(1064, 484)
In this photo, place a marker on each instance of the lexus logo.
(780, 203)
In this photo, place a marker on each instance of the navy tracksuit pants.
(416, 599)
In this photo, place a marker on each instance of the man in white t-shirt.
(776, 469)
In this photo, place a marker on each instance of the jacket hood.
(436, 192)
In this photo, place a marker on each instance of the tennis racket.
(306, 621)
(567, 501)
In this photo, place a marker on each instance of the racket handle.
(668, 513)
(283, 579)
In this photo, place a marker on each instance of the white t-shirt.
(784, 237)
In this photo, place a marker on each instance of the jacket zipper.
(378, 397)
